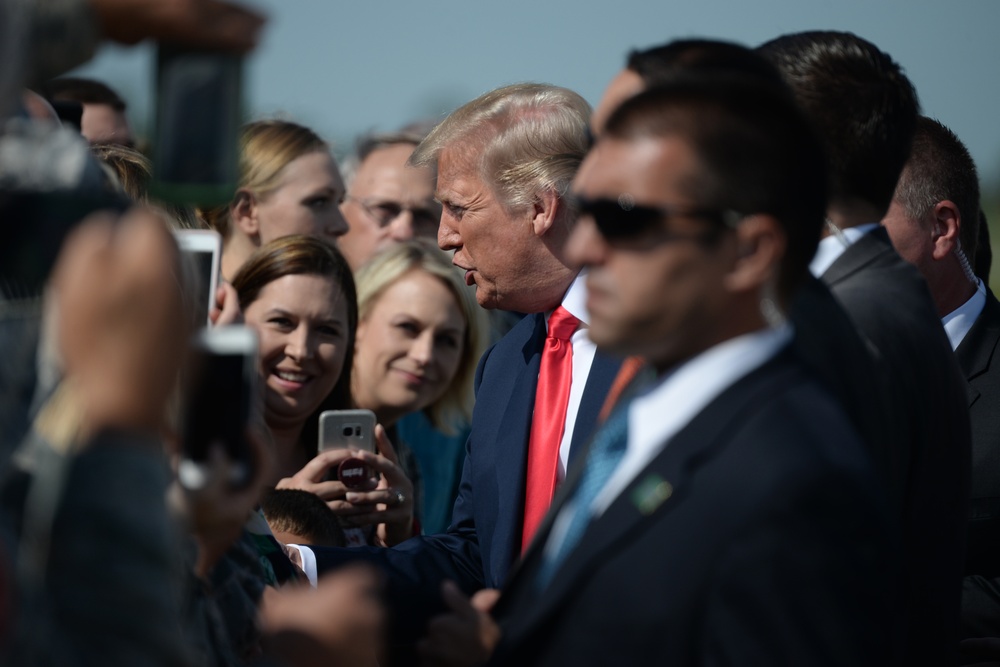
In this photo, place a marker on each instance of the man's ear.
(760, 248)
(946, 222)
(545, 211)
(243, 212)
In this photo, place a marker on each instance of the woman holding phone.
(299, 295)
(420, 335)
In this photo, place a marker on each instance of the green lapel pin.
(650, 493)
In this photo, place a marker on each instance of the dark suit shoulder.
(976, 354)
(773, 515)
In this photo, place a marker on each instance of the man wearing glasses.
(387, 201)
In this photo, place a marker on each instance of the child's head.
(300, 517)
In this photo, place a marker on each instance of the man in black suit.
(865, 109)
(933, 222)
(727, 511)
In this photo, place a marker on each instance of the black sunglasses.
(622, 219)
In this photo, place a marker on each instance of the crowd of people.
(700, 376)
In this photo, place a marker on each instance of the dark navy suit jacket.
(757, 536)
(484, 539)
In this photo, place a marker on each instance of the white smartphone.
(220, 384)
(344, 429)
(201, 250)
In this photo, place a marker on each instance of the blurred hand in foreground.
(121, 326)
(202, 24)
(465, 636)
(338, 623)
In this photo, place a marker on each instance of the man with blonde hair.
(505, 162)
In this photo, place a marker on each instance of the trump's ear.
(760, 248)
(545, 211)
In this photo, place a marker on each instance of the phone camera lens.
(348, 430)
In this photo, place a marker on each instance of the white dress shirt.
(958, 322)
(575, 302)
(661, 411)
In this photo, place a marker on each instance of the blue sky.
(347, 67)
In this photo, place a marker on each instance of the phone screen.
(217, 407)
(202, 264)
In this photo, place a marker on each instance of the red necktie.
(555, 375)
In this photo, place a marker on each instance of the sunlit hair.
(454, 407)
(525, 139)
(132, 172)
(266, 148)
(132, 169)
(305, 255)
(941, 168)
(367, 144)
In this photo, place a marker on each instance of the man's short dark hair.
(700, 57)
(84, 91)
(758, 155)
(860, 102)
(940, 168)
(303, 514)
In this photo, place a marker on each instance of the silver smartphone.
(220, 384)
(347, 429)
(201, 251)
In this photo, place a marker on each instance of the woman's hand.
(391, 503)
(313, 478)
(388, 503)
(226, 310)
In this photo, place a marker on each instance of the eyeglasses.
(624, 220)
(425, 220)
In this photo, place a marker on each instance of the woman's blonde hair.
(454, 407)
(266, 147)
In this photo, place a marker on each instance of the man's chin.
(607, 336)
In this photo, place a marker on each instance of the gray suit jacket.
(981, 588)
(929, 464)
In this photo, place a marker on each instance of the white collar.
(575, 300)
(833, 246)
(958, 322)
(660, 412)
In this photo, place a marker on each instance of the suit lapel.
(861, 253)
(511, 447)
(602, 373)
(975, 353)
(659, 488)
